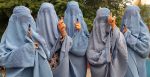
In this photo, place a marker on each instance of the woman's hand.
(112, 21)
(36, 45)
(77, 25)
(62, 28)
(29, 32)
(125, 29)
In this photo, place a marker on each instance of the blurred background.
(88, 8)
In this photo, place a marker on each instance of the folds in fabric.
(62, 70)
(107, 51)
(47, 21)
(137, 33)
(15, 43)
(137, 39)
(17, 52)
(80, 38)
(77, 59)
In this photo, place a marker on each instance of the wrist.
(113, 26)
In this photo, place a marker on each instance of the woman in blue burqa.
(137, 39)
(107, 51)
(22, 51)
(56, 38)
(77, 30)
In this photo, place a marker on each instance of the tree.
(88, 7)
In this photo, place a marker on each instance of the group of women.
(53, 47)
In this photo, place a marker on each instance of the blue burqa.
(107, 51)
(148, 67)
(77, 59)
(47, 21)
(17, 52)
(137, 40)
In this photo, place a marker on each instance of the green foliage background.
(88, 8)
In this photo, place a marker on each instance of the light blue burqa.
(17, 52)
(107, 51)
(148, 67)
(77, 59)
(47, 21)
(138, 41)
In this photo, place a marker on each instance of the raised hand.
(62, 28)
(77, 25)
(112, 21)
(36, 45)
(125, 29)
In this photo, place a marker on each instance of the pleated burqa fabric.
(107, 51)
(138, 41)
(17, 52)
(77, 58)
(47, 22)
